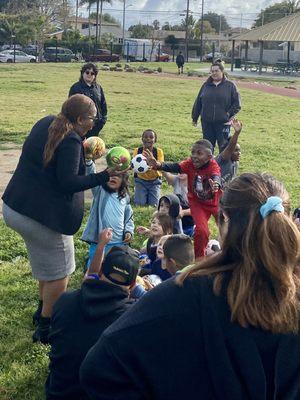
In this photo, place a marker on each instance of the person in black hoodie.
(217, 103)
(225, 329)
(170, 204)
(88, 86)
(81, 316)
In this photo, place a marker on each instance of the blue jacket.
(100, 203)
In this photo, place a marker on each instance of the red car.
(102, 55)
(163, 57)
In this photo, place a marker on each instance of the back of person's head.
(120, 267)
(89, 67)
(73, 108)
(260, 255)
(178, 252)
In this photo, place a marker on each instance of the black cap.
(120, 266)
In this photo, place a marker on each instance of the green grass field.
(270, 142)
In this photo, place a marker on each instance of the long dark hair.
(76, 106)
(89, 66)
(260, 257)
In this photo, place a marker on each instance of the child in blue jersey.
(110, 209)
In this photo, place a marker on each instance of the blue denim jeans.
(146, 192)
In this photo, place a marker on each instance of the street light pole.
(201, 32)
(187, 30)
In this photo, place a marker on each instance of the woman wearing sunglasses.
(88, 86)
(44, 200)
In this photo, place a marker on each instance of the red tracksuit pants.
(201, 214)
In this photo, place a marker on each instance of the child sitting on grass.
(178, 253)
(110, 209)
(204, 187)
(229, 157)
(147, 185)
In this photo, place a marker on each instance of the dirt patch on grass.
(9, 158)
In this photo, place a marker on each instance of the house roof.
(286, 29)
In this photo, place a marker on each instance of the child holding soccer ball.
(147, 185)
(204, 187)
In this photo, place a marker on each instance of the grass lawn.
(270, 142)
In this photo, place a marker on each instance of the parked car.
(101, 55)
(30, 49)
(212, 57)
(7, 56)
(59, 54)
(163, 57)
(11, 47)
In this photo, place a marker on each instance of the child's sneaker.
(41, 333)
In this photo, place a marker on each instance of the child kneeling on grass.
(204, 187)
(110, 209)
(147, 185)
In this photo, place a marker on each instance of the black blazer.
(51, 195)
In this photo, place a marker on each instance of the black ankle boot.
(37, 313)
(42, 331)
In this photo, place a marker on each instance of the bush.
(159, 69)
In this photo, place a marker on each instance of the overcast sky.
(237, 12)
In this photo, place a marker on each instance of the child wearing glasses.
(88, 86)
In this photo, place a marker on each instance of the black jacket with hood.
(216, 103)
(78, 320)
(173, 211)
(178, 343)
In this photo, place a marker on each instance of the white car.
(7, 56)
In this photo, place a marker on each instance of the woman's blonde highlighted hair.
(260, 258)
(76, 106)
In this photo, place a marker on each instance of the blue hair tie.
(273, 203)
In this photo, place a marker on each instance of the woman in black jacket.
(217, 103)
(88, 86)
(44, 199)
(227, 328)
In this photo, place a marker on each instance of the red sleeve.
(215, 168)
(185, 166)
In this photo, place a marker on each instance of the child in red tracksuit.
(204, 187)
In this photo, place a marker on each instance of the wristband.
(93, 276)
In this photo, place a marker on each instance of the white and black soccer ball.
(139, 164)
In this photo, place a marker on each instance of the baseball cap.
(120, 266)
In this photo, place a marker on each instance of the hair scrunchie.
(273, 203)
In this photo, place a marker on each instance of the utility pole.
(187, 30)
(123, 30)
(97, 22)
(100, 25)
(76, 17)
(201, 31)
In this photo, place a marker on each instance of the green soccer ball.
(118, 158)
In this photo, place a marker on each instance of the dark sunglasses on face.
(90, 73)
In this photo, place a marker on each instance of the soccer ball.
(139, 164)
(212, 247)
(94, 148)
(118, 158)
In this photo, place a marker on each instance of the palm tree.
(99, 5)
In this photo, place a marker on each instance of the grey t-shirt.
(228, 168)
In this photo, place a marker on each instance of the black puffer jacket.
(216, 103)
(94, 92)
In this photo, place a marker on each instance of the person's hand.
(105, 236)
(151, 160)
(142, 230)
(237, 125)
(127, 237)
(148, 285)
(116, 172)
(214, 185)
(194, 123)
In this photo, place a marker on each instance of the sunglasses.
(92, 73)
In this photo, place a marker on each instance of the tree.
(141, 31)
(276, 11)
(99, 4)
(166, 27)
(217, 21)
(207, 28)
(156, 24)
(190, 22)
(106, 18)
(172, 42)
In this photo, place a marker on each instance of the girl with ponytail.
(228, 327)
(44, 200)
